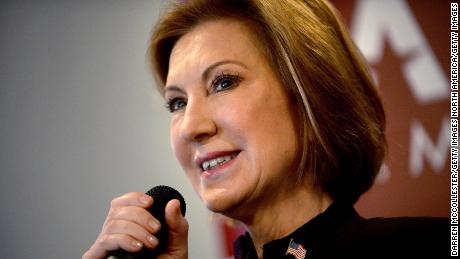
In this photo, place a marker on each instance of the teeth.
(209, 164)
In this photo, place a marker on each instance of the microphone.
(161, 195)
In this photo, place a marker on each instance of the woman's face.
(232, 127)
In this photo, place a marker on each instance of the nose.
(197, 124)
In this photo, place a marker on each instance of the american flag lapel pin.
(297, 250)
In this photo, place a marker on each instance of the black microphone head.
(162, 194)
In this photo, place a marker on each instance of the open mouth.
(217, 161)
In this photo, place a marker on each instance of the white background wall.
(80, 123)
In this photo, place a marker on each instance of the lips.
(213, 160)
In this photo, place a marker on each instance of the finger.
(132, 199)
(136, 215)
(123, 227)
(102, 247)
(178, 230)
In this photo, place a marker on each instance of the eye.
(175, 104)
(225, 81)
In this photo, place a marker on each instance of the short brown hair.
(343, 121)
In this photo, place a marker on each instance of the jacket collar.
(319, 230)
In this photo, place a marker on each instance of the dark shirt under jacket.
(340, 232)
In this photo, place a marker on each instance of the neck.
(283, 214)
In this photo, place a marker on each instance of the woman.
(277, 124)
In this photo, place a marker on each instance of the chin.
(230, 206)
(220, 201)
(216, 208)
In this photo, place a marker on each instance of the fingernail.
(145, 199)
(152, 240)
(178, 211)
(153, 225)
(136, 243)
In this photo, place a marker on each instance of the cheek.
(231, 118)
(182, 153)
(177, 145)
(269, 128)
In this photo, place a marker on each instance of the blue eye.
(225, 81)
(175, 104)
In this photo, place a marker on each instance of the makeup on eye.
(175, 98)
(176, 103)
(225, 81)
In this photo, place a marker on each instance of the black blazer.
(340, 232)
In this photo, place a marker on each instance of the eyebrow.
(205, 74)
(173, 88)
(208, 70)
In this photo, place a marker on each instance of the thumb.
(177, 231)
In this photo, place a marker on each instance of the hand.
(129, 226)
